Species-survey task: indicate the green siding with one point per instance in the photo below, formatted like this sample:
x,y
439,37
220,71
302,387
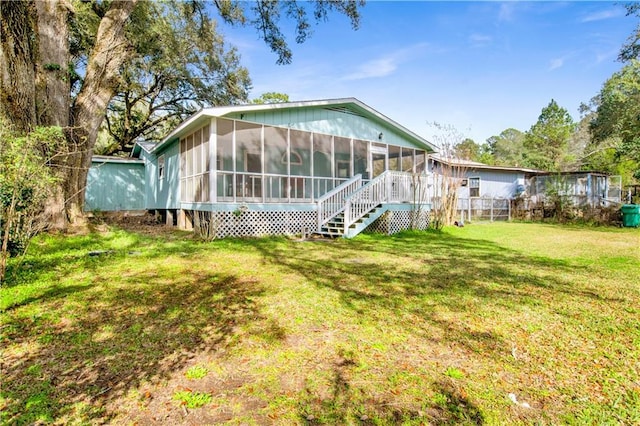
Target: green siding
x,y
163,193
115,186
338,122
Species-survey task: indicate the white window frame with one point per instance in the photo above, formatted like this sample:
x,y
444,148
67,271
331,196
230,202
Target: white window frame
x,y
471,186
247,153
294,156
340,167
161,167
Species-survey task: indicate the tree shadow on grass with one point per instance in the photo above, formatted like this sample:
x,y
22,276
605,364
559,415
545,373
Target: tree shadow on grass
x,y
114,339
420,277
93,250
346,404
420,274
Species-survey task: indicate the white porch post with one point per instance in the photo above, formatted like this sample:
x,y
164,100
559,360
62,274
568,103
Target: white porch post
x,y
213,163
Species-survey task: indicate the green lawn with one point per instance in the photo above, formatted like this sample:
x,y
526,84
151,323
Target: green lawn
x,y
419,328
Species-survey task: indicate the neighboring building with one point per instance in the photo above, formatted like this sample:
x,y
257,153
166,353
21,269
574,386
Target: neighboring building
x,y
484,192
335,166
478,180
115,184
583,188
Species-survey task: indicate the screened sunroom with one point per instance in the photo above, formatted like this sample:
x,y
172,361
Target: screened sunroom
x,y
248,162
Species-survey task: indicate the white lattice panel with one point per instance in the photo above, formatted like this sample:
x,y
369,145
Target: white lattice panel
x,y
392,222
259,223
256,224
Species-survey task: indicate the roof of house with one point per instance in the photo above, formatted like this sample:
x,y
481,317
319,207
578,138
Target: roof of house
x,y
476,165
111,159
198,118
148,146
576,172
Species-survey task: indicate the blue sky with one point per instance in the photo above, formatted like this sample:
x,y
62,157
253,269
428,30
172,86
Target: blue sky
x,y
481,67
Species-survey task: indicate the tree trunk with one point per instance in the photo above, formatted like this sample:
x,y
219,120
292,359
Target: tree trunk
x,y
34,86
18,53
53,91
109,54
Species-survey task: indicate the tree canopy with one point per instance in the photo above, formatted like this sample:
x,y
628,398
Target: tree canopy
x,y
631,49
468,149
182,65
616,123
271,98
547,141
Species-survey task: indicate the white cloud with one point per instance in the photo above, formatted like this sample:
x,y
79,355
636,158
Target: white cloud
x,y
385,65
556,63
480,39
602,15
506,11
375,68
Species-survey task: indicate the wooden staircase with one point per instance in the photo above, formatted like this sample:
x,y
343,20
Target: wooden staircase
x,y
335,228
349,208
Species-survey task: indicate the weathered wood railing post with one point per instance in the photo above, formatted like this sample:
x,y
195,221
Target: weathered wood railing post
x,y
491,201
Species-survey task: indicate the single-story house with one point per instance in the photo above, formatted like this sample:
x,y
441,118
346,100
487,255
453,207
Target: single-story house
x,y
330,166
483,191
583,188
479,180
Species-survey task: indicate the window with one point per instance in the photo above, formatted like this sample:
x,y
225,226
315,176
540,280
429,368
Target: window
x,y
474,187
252,162
161,167
342,169
294,158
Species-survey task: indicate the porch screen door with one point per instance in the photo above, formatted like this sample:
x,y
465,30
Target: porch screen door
x,y
378,159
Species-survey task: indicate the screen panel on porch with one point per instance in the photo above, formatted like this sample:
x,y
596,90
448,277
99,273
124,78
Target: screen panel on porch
x,y
378,158
248,182
276,163
407,160
342,167
194,161
300,165
224,160
394,158
322,173
360,161
421,161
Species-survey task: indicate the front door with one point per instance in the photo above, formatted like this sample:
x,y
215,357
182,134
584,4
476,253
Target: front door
x,y
378,159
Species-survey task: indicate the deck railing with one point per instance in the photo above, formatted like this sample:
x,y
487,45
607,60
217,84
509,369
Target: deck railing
x,y
333,202
389,187
244,187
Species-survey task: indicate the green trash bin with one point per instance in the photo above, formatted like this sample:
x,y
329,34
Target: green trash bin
x,y
631,215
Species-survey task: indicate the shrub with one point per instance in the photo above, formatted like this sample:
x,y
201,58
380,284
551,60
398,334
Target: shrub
x,y
26,181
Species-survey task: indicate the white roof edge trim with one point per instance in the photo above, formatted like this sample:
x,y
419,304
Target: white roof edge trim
x,y
476,165
195,117
107,159
224,110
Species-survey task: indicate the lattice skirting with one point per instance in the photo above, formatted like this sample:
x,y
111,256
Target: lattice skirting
x,y
260,223
395,221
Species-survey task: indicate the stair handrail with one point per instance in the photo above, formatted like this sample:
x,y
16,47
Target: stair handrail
x,y
365,199
333,202
390,186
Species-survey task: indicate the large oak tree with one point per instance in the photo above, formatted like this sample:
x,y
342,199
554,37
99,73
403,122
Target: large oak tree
x,y
36,80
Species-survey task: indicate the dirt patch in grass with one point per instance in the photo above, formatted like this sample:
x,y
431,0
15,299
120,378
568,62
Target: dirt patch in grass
x,y
143,223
